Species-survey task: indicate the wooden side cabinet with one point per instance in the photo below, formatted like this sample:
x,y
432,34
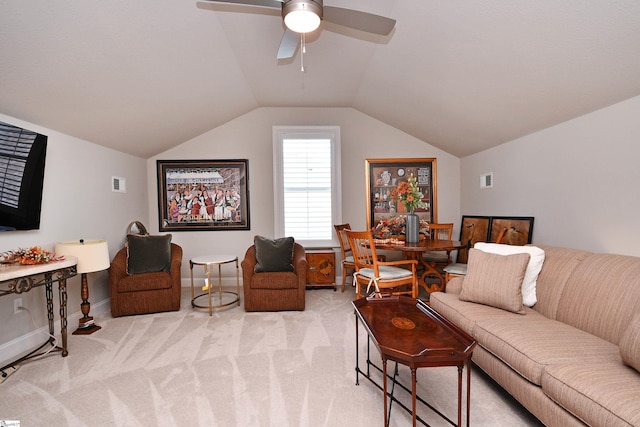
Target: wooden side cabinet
x,y
321,272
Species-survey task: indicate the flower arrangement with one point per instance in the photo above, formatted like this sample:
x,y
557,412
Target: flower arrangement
x,y
29,256
409,193
395,227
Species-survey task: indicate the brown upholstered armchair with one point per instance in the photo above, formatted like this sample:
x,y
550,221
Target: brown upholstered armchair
x,y
274,291
144,292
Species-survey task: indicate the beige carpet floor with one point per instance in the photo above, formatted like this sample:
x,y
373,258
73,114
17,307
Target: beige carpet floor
x,y
232,369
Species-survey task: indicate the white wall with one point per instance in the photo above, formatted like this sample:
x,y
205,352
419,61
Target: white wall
x,y
77,203
578,179
250,137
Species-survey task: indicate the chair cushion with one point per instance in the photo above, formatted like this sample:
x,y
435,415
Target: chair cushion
x,y
533,268
456,268
349,259
630,344
147,254
386,272
495,280
145,282
273,254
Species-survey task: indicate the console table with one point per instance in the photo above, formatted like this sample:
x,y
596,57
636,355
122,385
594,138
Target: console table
x,y
17,279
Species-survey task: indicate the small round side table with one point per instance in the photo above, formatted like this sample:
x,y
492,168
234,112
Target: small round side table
x,y
208,262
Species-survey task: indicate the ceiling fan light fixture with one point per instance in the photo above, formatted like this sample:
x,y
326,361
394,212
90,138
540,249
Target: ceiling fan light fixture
x,y
302,16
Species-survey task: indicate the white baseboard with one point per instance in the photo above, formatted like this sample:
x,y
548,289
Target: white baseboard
x,y
26,343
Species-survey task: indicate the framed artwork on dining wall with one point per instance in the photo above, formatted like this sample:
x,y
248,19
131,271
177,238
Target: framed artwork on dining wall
x,y
384,175
203,195
512,230
472,230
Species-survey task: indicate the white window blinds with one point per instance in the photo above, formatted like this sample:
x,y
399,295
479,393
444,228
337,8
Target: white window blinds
x,y
307,188
306,179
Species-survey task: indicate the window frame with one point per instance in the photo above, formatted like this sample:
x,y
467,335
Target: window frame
x,y
332,133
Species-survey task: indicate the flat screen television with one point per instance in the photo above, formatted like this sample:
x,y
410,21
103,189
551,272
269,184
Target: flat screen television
x,y
22,159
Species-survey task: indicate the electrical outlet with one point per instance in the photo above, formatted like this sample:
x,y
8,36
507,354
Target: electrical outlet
x,y
17,303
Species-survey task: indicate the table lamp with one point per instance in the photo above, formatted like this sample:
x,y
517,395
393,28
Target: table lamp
x,y
93,255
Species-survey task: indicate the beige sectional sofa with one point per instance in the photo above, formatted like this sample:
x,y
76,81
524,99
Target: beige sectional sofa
x,y
570,358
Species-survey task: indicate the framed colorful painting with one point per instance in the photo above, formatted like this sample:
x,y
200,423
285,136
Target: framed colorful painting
x,y
384,175
203,195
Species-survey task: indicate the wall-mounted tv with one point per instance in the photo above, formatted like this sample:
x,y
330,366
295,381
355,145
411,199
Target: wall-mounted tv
x,y
22,158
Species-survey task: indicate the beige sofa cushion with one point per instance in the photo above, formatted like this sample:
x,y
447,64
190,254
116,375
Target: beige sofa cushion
x,y
495,280
463,313
601,394
630,344
602,295
528,344
558,265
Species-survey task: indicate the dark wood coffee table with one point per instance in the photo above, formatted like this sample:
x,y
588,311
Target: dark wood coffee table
x,y
409,332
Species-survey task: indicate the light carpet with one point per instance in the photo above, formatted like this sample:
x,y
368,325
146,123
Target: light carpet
x,y
232,369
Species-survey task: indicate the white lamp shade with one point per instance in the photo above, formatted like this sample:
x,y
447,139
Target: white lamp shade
x,y
93,255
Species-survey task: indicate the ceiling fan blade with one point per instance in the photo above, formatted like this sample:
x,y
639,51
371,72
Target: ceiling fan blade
x,y
288,44
265,3
358,20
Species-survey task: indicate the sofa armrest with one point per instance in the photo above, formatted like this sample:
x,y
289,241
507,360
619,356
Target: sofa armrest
x,y
454,286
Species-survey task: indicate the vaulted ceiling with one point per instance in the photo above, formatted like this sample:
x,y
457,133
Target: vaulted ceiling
x,y
463,75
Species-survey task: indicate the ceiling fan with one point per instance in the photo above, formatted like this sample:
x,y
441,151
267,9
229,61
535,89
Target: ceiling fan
x,y
303,16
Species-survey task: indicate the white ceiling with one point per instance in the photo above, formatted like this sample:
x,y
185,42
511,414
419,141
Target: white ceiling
x,y
463,75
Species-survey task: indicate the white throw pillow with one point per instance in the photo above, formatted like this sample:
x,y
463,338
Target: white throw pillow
x,y
533,268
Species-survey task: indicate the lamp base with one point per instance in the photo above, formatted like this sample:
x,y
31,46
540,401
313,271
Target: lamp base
x,y
86,326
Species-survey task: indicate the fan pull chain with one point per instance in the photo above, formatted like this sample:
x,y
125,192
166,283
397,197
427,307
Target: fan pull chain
x,y
303,51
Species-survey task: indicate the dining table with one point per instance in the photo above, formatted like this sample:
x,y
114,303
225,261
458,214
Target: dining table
x,y
416,251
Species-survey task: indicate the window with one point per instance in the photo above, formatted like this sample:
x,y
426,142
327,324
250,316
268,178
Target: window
x,y
307,183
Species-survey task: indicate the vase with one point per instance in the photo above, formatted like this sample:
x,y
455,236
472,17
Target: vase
x,y
413,228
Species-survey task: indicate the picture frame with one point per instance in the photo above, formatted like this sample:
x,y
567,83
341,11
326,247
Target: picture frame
x,y
383,175
203,195
473,229
516,230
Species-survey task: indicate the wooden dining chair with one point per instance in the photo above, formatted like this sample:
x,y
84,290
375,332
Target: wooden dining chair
x,y
439,259
347,257
386,277
457,269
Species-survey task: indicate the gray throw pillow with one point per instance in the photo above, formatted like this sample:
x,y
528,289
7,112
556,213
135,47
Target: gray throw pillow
x,y
273,254
147,254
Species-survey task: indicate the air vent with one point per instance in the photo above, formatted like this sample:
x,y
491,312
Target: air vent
x,y
118,185
486,180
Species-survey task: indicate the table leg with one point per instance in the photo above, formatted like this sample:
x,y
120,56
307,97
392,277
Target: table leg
x,y
208,268
62,294
428,270
220,282
238,281
49,295
357,355
413,395
460,395
384,390
468,390
193,296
